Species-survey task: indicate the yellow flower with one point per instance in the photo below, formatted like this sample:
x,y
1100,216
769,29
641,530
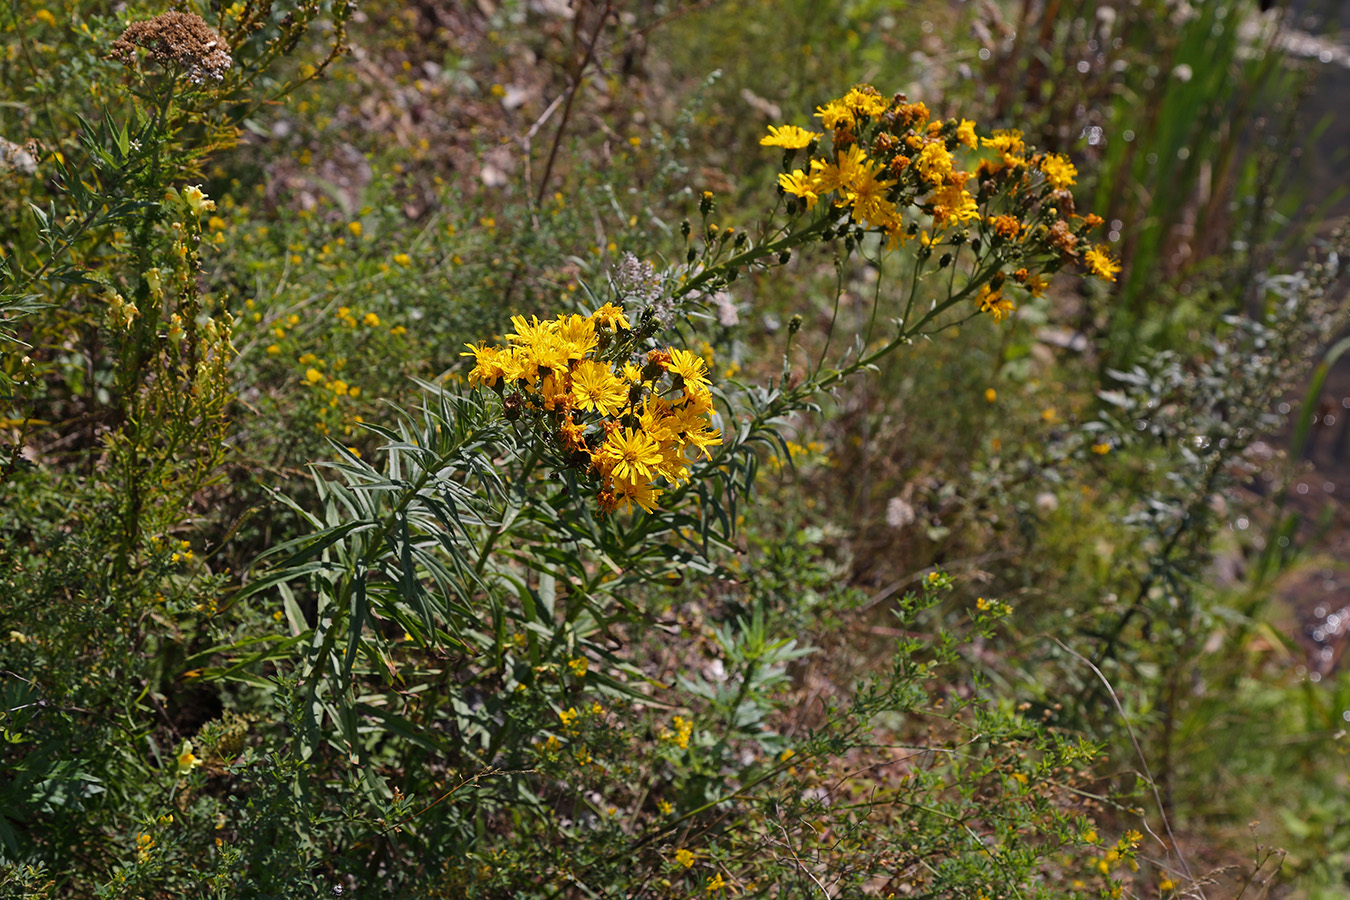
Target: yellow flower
x,y
187,761
934,162
716,883
568,716
197,201
1100,263
1008,142
799,184
626,493
835,115
403,259
789,137
1101,449
1058,171
665,807
965,134
354,228
611,316
684,857
692,369
371,319
990,395
46,17
630,456
994,303
578,666
313,376
866,100
595,387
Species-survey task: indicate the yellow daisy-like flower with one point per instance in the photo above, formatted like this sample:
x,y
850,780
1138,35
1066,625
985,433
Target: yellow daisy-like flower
x,y
630,456
799,184
1059,171
866,100
594,387
1100,263
934,162
835,115
789,137
994,303
690,367
1008,142
965,134
611,316
641,493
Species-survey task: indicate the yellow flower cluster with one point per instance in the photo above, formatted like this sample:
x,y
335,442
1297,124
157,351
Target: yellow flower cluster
x,y
628,421
899,173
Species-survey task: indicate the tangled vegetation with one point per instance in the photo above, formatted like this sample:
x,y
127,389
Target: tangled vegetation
x,y
538,450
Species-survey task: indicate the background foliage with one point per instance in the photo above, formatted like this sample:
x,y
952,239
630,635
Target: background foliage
x,y
292,611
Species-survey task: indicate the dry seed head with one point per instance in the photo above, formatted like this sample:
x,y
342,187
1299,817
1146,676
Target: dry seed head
x,y
181,39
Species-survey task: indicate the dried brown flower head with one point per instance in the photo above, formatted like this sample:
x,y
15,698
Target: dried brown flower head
x,y
179,39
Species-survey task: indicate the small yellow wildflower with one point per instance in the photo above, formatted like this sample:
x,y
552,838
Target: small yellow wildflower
x,y
716,883
684,857
1102,448
568,716
313,376
371,320
579,666
965,134
354,228
664,807
990,395
197,200
1058,171
187,761
1100,263
789,137
403,259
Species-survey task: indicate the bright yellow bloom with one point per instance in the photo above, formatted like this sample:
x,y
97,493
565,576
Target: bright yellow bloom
x,y
490,364
611,316
403,259
994,303
630,456
1008,142
1100,263
866,100
689,367
594,387
641,493
934,162
789,137
579,666
965,134
1059,171
799,184
835,115
684,857
954,204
